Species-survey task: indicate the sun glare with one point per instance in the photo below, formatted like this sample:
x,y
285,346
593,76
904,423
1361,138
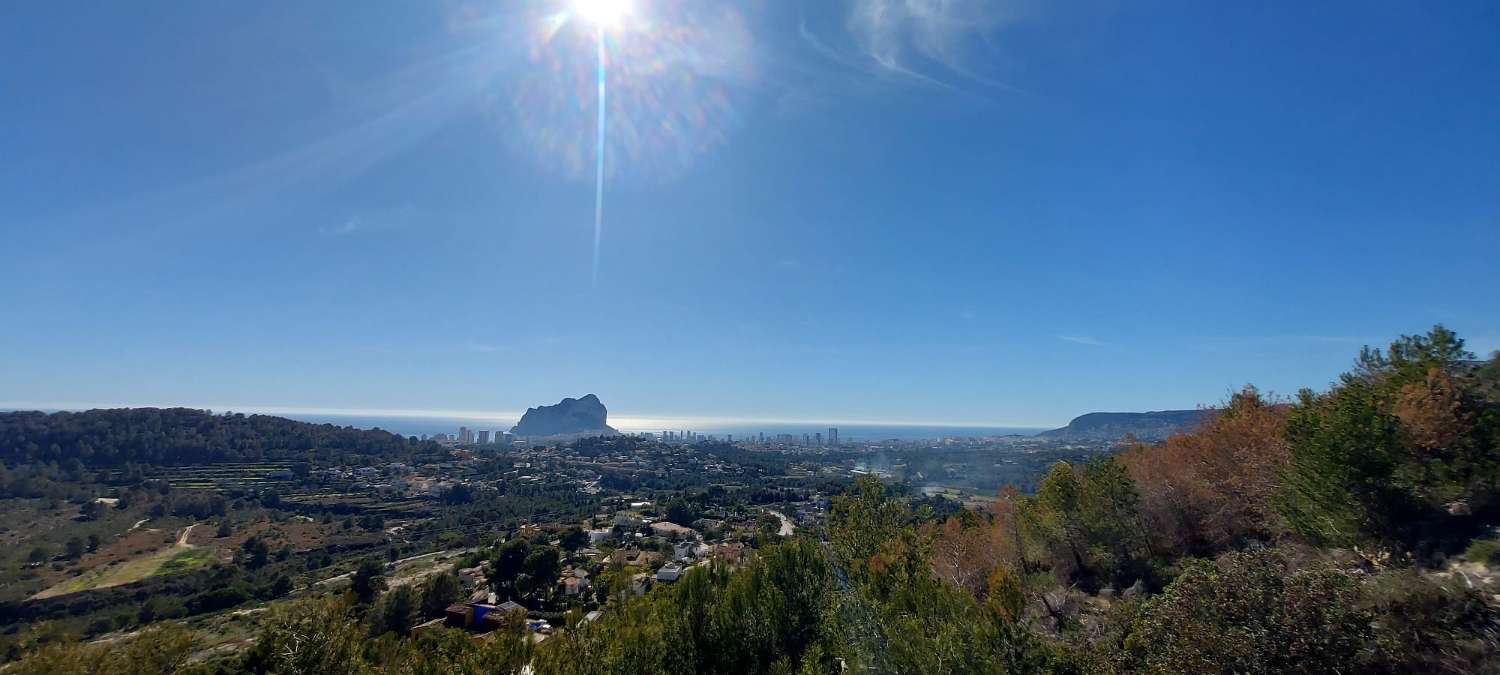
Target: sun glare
x,y
602,13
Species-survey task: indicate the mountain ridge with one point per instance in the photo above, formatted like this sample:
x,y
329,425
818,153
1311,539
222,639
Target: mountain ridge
x,y
1155,425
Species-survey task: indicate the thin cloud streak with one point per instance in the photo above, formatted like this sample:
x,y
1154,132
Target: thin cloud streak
x,y
927,42
347,227
1083,340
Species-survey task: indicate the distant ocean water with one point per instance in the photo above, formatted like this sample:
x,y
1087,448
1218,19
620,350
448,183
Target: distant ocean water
x,y
417,426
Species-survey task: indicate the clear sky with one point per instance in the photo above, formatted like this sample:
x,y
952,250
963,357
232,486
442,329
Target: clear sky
x,y
954,212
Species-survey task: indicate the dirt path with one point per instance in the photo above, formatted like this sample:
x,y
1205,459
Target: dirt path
x,y
137,524
787,528
182,540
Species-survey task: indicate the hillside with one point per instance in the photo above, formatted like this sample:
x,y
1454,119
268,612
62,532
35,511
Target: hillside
x,y
1109,426
115,437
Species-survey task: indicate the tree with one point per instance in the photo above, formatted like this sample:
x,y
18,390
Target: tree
x,y
440,591
679,510
1375,458
507,565
75,548
93,542
1212,489
541,567
368,580
767,527
395,612
225,528
573,538
257,553
91,509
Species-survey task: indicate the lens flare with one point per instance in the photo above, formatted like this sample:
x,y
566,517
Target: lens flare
x,y
602,13
678,75
673,72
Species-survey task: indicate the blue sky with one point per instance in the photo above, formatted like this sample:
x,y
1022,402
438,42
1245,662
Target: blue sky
x,y
961,212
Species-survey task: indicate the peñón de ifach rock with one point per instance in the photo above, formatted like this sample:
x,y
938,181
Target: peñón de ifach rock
x,y
572,416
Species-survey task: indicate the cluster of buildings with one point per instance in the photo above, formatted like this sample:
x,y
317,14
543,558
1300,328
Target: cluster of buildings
x,y
467,436
811,440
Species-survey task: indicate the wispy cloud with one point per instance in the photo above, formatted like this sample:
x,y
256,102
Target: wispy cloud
x,y
341,229
930,42
1083,340
480,347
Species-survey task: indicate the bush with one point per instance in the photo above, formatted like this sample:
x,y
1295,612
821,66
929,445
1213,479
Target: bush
x,y
1484,552
1430,626
1250,612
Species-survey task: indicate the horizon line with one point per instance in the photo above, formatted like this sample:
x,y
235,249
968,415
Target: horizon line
x,y
624,421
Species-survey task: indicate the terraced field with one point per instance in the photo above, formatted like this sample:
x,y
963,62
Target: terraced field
x,y
361,502
227,475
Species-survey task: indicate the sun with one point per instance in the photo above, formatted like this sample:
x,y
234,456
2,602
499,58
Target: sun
x,y
602,13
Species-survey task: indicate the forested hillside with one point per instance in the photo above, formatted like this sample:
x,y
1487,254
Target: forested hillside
x,y
103,438
1347,530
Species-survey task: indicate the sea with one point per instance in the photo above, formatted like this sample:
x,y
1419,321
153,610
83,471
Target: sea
x,y
425,425
419,426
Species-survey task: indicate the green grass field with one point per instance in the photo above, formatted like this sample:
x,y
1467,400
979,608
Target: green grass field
x,y
175,560
187,560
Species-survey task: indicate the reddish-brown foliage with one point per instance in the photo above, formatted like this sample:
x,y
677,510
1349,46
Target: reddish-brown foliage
x,y
1209,489
1432,412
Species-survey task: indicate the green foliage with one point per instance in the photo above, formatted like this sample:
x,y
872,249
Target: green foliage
x,y
1344,455
1251,613
1427,625
309,637
683,512
368,580
573,538
395,612
894,615
159,649
712,620
180,435
507,565
257,553
541,567
1381,456
1088,522
861,522
450,652
440,591
1484,552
